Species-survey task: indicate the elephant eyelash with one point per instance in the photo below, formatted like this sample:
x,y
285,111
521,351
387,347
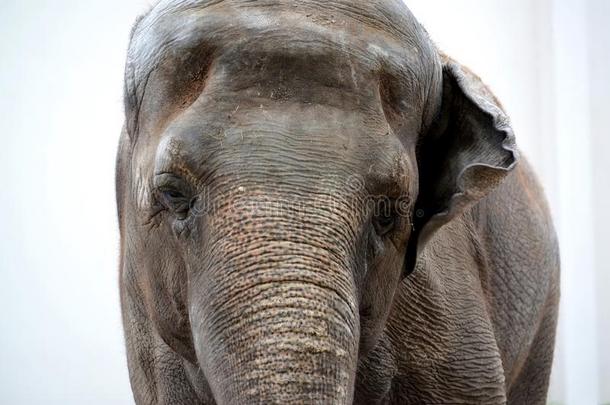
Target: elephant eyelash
x,y
173,194
174,201
385,217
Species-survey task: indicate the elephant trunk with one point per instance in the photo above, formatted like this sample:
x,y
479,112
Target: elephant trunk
x,y
275,319
281,342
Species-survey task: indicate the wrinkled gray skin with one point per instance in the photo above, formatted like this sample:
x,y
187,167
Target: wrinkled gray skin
x,y
254,268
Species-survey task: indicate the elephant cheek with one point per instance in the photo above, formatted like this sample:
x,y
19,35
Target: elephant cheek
x,y
277,341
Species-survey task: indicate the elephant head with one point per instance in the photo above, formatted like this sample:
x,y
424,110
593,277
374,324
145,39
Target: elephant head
x,y
282,165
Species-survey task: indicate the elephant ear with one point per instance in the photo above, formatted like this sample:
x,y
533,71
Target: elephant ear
x,y
467,152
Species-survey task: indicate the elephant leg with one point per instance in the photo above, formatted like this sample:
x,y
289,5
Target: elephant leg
x,y
159,376
531,387
179,382
168,379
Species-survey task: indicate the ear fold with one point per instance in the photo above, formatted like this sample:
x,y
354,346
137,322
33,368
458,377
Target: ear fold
x,y
467,153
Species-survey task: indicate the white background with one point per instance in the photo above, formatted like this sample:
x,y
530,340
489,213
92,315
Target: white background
x,y
61,65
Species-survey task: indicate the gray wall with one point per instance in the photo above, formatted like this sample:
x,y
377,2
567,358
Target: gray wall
x,y
599,34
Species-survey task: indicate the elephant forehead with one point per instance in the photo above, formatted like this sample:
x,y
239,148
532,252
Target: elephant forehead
x,y
390,16
279,134
371,34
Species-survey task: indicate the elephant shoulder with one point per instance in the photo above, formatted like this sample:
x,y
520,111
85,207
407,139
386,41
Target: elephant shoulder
x,y
514,222
517,238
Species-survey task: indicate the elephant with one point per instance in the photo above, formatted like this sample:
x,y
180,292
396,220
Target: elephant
x,y
317,205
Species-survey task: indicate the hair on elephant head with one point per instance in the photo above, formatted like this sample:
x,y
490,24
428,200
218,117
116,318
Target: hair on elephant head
x,y
283,164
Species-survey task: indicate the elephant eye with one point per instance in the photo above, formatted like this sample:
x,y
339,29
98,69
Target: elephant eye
x,y
384,219
172,195
175,201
